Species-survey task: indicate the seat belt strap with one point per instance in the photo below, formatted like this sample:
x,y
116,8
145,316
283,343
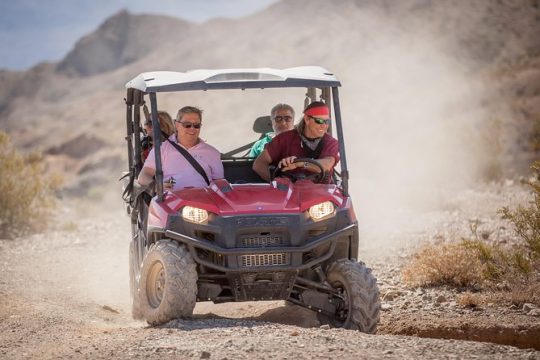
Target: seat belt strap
x,y
191,160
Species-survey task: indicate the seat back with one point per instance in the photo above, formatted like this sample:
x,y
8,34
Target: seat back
x,y
263,124
239,171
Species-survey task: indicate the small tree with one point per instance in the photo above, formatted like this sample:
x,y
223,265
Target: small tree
x,y
26,192
526,220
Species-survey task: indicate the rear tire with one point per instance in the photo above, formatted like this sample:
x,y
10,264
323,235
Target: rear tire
x,y
137,249
359,304
134,285
168,283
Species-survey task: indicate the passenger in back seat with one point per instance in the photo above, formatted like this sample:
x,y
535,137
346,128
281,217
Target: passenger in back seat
x,y
282,116
167,129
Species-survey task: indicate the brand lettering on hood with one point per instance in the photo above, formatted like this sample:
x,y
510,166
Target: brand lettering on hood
x,y
265,221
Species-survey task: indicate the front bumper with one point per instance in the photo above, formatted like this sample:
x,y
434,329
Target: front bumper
x,y
289,258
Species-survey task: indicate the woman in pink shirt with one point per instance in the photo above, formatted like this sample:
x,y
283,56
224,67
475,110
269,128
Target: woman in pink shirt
x,y
178,173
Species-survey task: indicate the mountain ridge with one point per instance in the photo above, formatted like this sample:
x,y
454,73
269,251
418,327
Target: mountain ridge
x,y
118,42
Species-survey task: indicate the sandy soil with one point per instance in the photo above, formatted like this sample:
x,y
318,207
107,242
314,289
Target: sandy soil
x,y
65,294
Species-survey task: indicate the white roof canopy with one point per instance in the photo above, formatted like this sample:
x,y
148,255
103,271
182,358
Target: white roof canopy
x,y
248,78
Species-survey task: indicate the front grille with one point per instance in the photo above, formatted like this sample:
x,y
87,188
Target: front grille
x,y
262,240
264,260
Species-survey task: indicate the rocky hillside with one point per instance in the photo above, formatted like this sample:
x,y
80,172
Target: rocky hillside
x,y
121,40
456,79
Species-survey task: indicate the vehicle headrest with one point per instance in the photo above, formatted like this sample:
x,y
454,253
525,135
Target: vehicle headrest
x,y
263,124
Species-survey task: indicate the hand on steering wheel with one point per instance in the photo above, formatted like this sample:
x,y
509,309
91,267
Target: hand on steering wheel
x,y
311,166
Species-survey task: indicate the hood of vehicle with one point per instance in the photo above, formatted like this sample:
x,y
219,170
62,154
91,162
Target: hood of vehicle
x,y
281,196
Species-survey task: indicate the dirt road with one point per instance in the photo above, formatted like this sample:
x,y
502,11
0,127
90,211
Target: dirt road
x,y
65,294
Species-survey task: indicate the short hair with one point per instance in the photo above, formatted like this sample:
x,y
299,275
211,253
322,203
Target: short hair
x,y
165,122
279,107
188,110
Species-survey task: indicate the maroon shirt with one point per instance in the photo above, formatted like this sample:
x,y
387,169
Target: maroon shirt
x,y
289,143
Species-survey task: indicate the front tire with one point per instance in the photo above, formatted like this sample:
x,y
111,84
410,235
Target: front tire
x,y
358,301
168,283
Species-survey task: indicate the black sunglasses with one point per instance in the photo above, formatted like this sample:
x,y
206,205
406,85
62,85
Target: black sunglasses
x,y
285,118
188,125
320,121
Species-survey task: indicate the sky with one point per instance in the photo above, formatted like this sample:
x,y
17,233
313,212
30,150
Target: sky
x,y
34,31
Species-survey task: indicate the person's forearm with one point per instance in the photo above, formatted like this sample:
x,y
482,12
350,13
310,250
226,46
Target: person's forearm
x,y
145,176
261,168
327,163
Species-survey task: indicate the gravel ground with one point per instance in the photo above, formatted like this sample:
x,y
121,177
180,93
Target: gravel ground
x,y
64,294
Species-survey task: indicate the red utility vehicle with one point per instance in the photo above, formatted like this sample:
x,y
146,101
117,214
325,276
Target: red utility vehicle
x,y
243,239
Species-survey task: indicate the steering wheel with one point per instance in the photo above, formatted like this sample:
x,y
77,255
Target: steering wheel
x,y
317,173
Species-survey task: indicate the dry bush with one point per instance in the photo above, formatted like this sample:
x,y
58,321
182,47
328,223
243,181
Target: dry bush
x,y
526,220
26,193
511,273
525,260
470,300
507,274
493,258
518,295
523,293
444,264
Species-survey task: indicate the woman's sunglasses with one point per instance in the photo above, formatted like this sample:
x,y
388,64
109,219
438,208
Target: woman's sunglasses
x,y
320,121
189,125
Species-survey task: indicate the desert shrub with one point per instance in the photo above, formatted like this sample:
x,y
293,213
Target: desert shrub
x,y
444,264
491,257
470,300
26,192
511,271
474,264
520,294
526,220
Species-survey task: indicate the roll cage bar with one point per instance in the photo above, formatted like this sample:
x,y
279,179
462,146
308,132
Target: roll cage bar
x,y
150,83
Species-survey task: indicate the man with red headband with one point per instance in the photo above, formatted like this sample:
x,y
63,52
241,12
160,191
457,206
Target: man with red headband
x,y
309,139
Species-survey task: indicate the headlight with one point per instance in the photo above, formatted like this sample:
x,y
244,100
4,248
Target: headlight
x,y
321,211
194,214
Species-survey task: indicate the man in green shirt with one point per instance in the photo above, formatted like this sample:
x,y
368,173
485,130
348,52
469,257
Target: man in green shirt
x,y
282,116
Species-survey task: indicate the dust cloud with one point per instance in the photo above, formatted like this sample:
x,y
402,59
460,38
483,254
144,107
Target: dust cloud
x,y
416,131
